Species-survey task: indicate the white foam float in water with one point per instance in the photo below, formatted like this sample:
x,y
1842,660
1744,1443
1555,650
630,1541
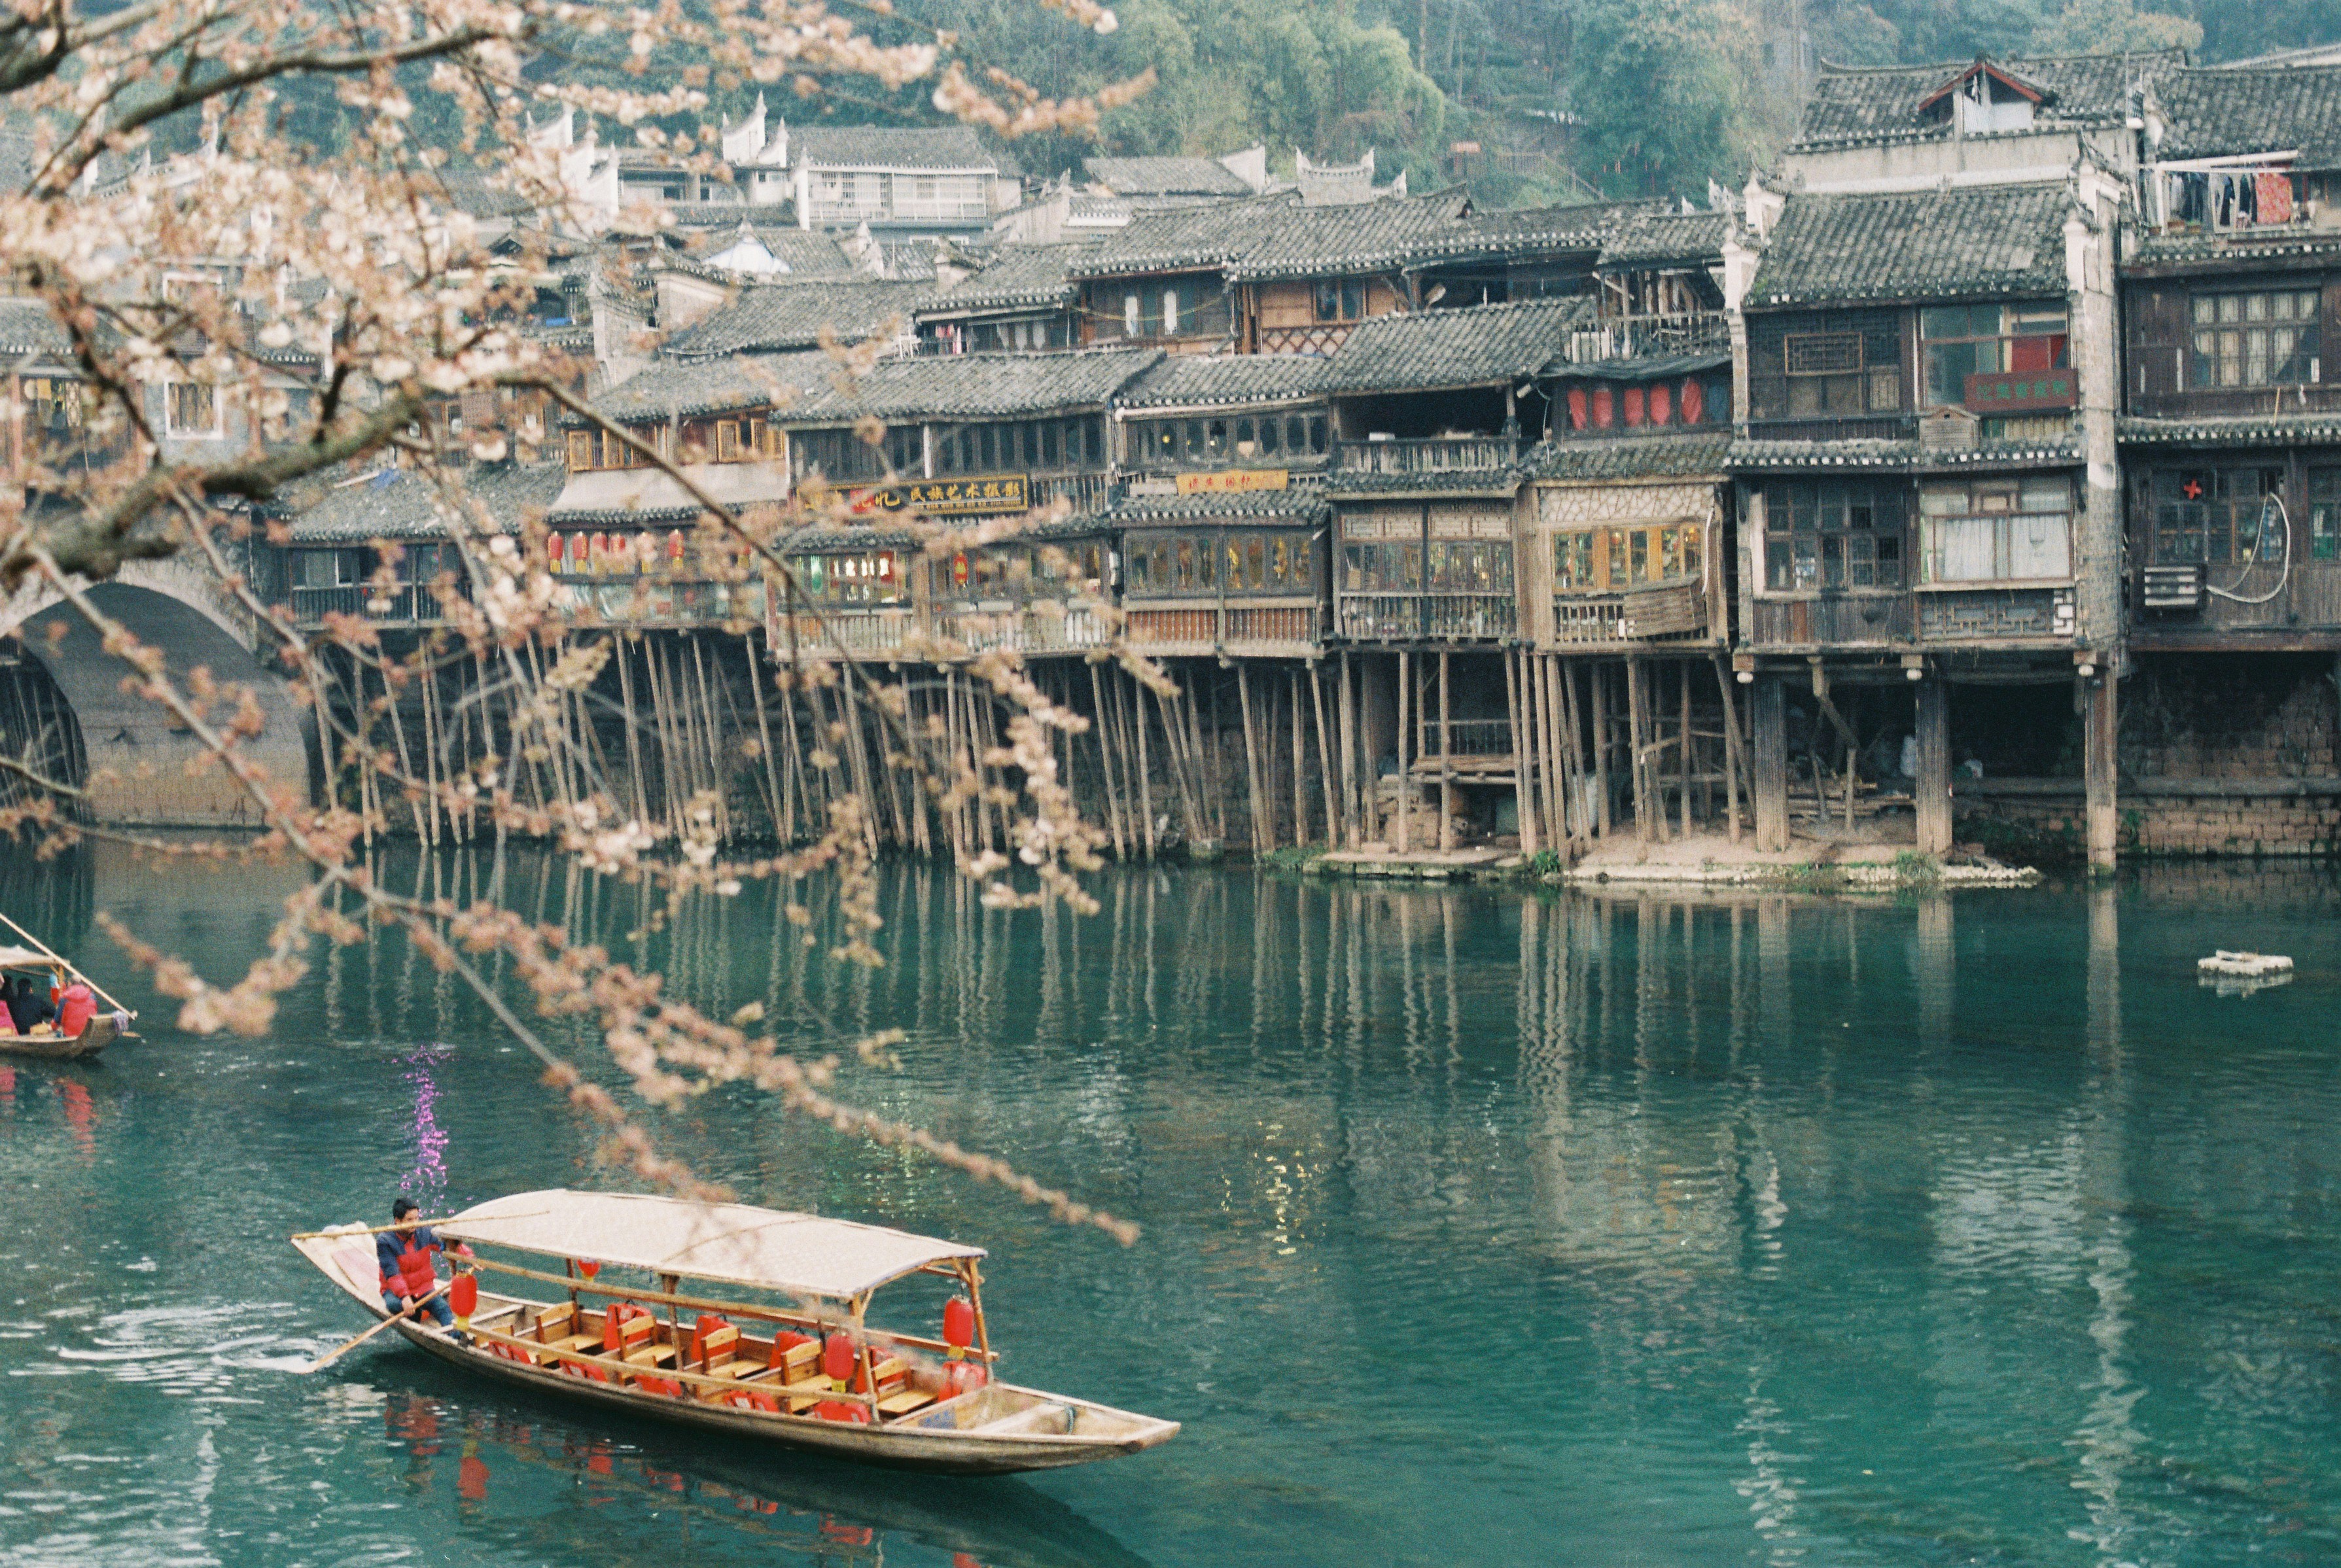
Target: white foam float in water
x,y
2243,966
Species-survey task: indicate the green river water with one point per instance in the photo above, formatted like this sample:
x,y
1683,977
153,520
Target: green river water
x,y
1479,1228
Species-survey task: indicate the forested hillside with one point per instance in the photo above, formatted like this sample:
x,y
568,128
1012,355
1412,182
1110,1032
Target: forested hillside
x,y
1530,101
1625,97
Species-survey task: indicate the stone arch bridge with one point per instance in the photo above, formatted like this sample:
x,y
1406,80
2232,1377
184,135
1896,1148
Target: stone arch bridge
x,y
134,758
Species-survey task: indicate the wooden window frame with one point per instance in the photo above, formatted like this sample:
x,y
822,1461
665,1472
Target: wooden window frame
x,y
1601,549
1800,559
2306,351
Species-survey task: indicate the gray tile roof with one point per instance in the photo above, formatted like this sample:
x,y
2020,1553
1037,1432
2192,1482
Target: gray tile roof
x,y
1198,381
771,317
977,386
888,147
1655,457
1471,347
1582,226
1852,107
1653,239
402,504
817,539
1298,504
1482,482
1165,176
1979,241
806,253
1170,238
1909,455
2275,247
726,215
1278,237
667,388
1364,236
2219,112
1013,275
2305,430
465,188
28,327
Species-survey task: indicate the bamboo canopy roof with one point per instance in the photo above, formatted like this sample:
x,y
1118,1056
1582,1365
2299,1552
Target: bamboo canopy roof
x,y
763,1248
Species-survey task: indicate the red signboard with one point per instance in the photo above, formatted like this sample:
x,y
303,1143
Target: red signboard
x,y
2022,391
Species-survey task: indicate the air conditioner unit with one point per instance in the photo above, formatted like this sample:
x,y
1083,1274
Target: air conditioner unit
x,y
2172,588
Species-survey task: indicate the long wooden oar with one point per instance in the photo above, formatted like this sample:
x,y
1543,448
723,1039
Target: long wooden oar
x,y
399,1225
86,980
335,1355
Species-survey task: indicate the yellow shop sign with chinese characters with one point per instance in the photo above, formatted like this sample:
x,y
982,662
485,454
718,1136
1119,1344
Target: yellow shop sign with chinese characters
x,y
949,497
1233,479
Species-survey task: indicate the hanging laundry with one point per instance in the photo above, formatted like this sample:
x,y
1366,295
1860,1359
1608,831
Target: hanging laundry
x,y
2274,190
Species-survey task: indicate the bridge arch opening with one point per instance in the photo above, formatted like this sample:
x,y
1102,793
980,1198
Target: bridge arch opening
x,y
134,762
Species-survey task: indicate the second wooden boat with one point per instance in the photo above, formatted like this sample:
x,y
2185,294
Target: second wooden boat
x,y
808,1371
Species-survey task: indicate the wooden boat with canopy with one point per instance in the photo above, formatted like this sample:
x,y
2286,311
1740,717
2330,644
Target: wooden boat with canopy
x,y
802,1367
82,1029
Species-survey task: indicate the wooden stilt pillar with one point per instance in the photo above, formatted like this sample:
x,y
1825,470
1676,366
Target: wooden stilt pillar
x,y
1405,765
1637,739
1299,792
1325,759
1683,748
2099,724
1601,731
1446,751
1263,832
1353,833
1723,681
1524,750
1137,711
1931,790
1770,765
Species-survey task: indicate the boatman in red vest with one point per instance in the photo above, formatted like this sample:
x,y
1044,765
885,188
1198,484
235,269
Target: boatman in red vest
x,y
408,1273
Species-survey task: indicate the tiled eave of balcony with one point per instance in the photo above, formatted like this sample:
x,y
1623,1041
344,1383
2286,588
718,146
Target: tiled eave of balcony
x,y
2309,429
1805,456
1498,483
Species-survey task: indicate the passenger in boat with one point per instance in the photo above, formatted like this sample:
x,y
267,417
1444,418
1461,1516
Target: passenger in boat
x,y
408,1274
28,1003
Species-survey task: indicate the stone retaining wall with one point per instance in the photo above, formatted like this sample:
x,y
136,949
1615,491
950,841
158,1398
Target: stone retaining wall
x,y
2042,818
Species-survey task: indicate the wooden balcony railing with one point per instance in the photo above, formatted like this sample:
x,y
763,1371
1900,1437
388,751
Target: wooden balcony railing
x,y
409,604
1667,610
866,633
1873,427
1649,337
1234,625
1410,617
1442,454
1041,627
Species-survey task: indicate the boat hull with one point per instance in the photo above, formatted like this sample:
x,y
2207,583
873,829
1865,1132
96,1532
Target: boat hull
x,y
895,1447
99,1034
930,1441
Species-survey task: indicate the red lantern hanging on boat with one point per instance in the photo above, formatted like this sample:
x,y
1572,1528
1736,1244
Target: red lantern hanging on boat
x,y
837,1359
464,1295
959,1326
588,1267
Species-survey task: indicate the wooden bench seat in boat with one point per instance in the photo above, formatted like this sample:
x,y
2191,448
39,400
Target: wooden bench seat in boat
x,y
896,1396
558,1329
639,1345
798,1368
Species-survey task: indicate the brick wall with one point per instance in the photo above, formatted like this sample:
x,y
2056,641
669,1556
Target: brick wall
x,y
2159,817
2221,755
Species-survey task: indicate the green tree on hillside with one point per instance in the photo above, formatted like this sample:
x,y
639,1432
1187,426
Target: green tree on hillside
x,y
1662,88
